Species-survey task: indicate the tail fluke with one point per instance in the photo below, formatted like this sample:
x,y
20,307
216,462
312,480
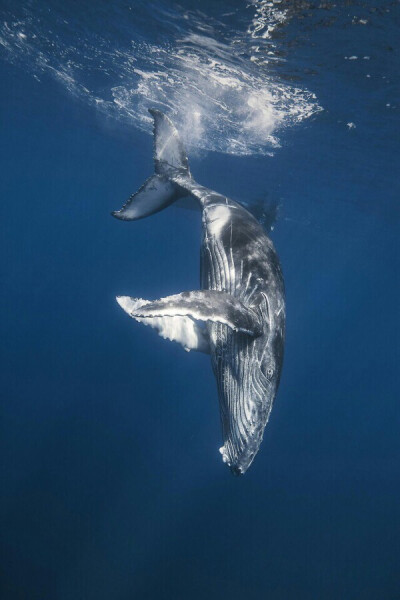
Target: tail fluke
x,y
159,191
155,194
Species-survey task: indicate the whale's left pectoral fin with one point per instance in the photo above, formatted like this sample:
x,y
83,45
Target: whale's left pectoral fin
x,y
176,317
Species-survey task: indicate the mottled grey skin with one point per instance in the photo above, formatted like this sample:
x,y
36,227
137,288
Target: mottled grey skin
x,y
238,257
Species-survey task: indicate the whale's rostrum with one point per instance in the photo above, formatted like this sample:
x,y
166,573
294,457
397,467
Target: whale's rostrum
x,y
238,315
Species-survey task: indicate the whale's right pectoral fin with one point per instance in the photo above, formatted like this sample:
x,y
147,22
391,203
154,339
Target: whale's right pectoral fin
x,y
188,308
177,328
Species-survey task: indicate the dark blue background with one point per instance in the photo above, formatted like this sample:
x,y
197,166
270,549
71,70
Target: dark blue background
x,y
111,482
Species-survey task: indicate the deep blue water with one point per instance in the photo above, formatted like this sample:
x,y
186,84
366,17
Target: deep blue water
x,y
112,486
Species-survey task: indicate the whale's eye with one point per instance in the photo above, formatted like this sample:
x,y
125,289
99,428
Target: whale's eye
x,y
270,372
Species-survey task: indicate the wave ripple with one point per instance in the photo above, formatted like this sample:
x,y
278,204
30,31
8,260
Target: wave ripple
x,y
203,70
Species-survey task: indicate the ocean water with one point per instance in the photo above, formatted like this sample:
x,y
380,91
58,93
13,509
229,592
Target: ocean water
x,y
112,487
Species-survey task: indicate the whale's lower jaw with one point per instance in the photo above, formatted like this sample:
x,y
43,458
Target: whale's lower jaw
x,y
243,439
239,459
239,462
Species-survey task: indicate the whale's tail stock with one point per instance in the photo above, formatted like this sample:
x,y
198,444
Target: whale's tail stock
x,y
170,167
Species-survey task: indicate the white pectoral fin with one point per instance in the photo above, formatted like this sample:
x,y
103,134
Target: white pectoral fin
x,y
203,306
181,329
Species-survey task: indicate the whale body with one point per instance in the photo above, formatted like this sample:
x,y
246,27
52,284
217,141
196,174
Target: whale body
x,y
237,316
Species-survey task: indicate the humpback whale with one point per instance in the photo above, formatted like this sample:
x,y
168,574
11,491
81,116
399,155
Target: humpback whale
x,y
238,314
